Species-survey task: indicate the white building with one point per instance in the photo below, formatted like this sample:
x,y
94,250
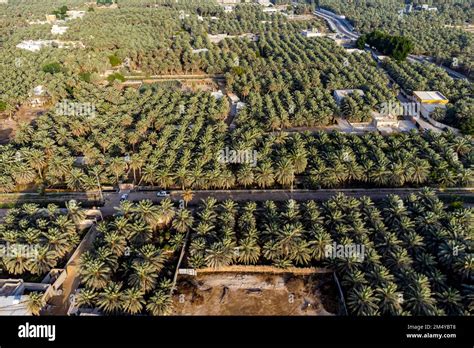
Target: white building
x,y
233,97
240,105
38,96
58,30
218,94
75,14
354,50
271,10
34,45
312,33
200,50
263,2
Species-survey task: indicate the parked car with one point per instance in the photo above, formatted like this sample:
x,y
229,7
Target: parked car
x,y
124,197
162,194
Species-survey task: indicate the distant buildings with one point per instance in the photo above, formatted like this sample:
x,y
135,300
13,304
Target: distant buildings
x,y
426,7
228,2
240,105
354,50
200,50
51,18
218,94
219,37
36,45
38,96
233,98
75,14
58,30
271,10
312,33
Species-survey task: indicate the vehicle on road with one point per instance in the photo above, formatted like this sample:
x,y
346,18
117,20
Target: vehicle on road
x,y
124,197
162,194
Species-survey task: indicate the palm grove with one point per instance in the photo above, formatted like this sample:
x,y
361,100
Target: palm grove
x,y
417,255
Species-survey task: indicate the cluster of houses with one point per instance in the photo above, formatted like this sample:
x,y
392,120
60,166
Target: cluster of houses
x,y
409,8
337,38
36,45
219,37
57,29
268,7
404,116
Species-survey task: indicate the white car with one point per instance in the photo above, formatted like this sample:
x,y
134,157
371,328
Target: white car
x,y
124,197
162,194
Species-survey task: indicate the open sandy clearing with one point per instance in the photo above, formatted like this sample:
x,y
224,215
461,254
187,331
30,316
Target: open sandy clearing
x,y
255,294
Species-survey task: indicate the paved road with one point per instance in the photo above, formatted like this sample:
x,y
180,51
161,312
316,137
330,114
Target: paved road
x,y
427,60
343,28
113,199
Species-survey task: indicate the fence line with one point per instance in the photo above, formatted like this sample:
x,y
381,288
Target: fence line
x,y
264,269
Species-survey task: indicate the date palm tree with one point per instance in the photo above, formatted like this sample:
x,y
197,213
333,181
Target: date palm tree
x,y
187,197
133,301
160,303
86,298
93,272
183,220
35,303
362,301
111,298
43,260
143,277
390,300
219,255
248,251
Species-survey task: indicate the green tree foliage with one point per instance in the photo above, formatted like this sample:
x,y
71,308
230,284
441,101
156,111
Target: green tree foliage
x,y
398,47
52,68
60,13
114,60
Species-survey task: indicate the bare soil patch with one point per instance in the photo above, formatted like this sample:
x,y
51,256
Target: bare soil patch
x,y
8,126
255,294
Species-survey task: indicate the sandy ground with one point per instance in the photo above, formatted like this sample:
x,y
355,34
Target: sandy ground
x,y
255,294
9,126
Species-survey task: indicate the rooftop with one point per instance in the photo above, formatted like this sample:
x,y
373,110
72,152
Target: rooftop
x,y
429,96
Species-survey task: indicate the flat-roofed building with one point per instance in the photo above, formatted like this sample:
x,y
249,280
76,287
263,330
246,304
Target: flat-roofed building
x,y
73,14
312,33
430,97
58,30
